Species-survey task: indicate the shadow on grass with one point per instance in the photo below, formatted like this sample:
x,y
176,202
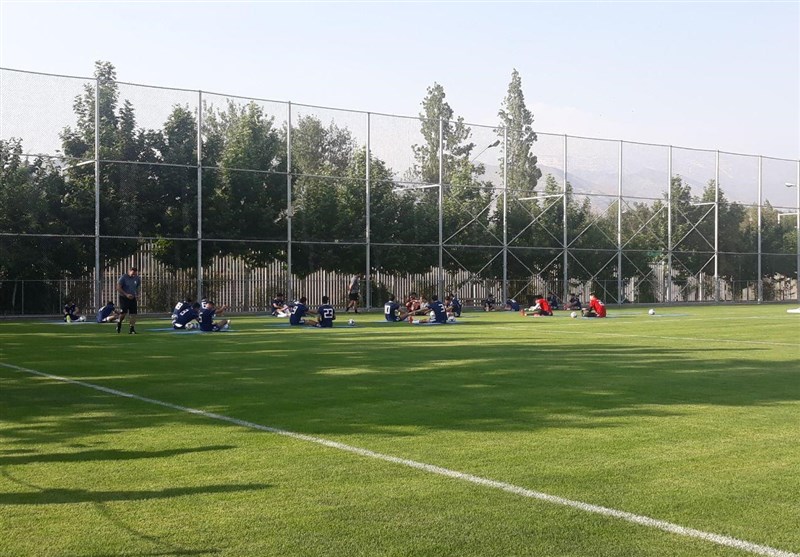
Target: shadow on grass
x,y
28,457
387,381
54,496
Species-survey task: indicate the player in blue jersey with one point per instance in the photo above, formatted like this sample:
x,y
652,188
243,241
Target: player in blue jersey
x,y
489,302
392,311
437,309
299,313
180,306
453,305
107,314
72,313
207,323
327,315
278,306
186,318
512,305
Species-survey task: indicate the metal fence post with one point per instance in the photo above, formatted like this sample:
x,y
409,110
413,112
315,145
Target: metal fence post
x,y
289,209
716,229
669,227
368,231
441,210
97,270
797,230
505,214
564,225
200,195
760,284
619,228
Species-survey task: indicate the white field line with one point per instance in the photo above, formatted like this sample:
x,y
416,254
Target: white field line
x,y
670,527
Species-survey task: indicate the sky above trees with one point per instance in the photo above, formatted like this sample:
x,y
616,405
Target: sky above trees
x,y
716,75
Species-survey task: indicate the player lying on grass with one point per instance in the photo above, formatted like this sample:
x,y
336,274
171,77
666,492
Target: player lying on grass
x,y
512,305
107,314
596,308
540,308
392,311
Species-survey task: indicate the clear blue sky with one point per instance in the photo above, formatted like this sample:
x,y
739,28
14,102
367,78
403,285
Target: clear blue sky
x,y
718,75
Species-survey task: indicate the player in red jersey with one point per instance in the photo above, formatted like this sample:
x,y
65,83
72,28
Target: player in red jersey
x,y
596,308
540,309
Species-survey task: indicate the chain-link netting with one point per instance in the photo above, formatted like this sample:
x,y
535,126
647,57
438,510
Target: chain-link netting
x,y
272,196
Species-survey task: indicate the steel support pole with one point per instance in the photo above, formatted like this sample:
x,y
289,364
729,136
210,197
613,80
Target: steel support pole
x,y
289,209
716,229
619,229
760,294
98,279
441,209
368,231
669,228
200,196
564,225
797,230
505,214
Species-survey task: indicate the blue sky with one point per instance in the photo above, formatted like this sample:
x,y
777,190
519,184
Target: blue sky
x,y
718,75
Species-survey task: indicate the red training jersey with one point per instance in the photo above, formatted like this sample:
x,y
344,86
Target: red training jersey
x,y
598,307
545,305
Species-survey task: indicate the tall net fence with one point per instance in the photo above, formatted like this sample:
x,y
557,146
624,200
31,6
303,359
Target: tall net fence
x,y
236,199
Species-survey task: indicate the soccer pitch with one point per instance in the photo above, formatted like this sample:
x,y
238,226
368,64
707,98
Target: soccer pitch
x,y
675,434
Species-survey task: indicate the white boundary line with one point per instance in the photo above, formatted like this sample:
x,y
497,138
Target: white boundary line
x,y
670,527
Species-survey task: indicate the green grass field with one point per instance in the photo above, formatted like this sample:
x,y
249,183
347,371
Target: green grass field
x,y
691,417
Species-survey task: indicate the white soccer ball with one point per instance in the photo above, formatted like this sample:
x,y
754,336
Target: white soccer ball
x,y
451,319
351,322
651,312
574,314
191,325
432,315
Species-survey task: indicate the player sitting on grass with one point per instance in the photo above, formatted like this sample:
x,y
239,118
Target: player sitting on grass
x,y
439,314
185,319
207,323
541,307
327,315
72,313
453,305
278,306
512,305
412,303
180,306
488,303
107,314
299,312
596,308
574,303
392,311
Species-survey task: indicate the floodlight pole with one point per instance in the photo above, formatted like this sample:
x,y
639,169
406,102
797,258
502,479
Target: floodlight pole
x,y
289,210
200,195
760,284
441,209
367,232
98,280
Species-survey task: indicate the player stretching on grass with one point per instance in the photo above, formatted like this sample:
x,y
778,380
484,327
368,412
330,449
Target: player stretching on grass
x,y
299,313
128,287
541,308
437,308
392,311
596,308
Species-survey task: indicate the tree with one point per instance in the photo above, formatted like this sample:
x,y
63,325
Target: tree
x,y
517,122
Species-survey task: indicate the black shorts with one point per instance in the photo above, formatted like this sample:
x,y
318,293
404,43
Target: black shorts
x,y
126,305
353,296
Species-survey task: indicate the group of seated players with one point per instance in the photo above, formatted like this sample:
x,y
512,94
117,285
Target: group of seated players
x,y
189,314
